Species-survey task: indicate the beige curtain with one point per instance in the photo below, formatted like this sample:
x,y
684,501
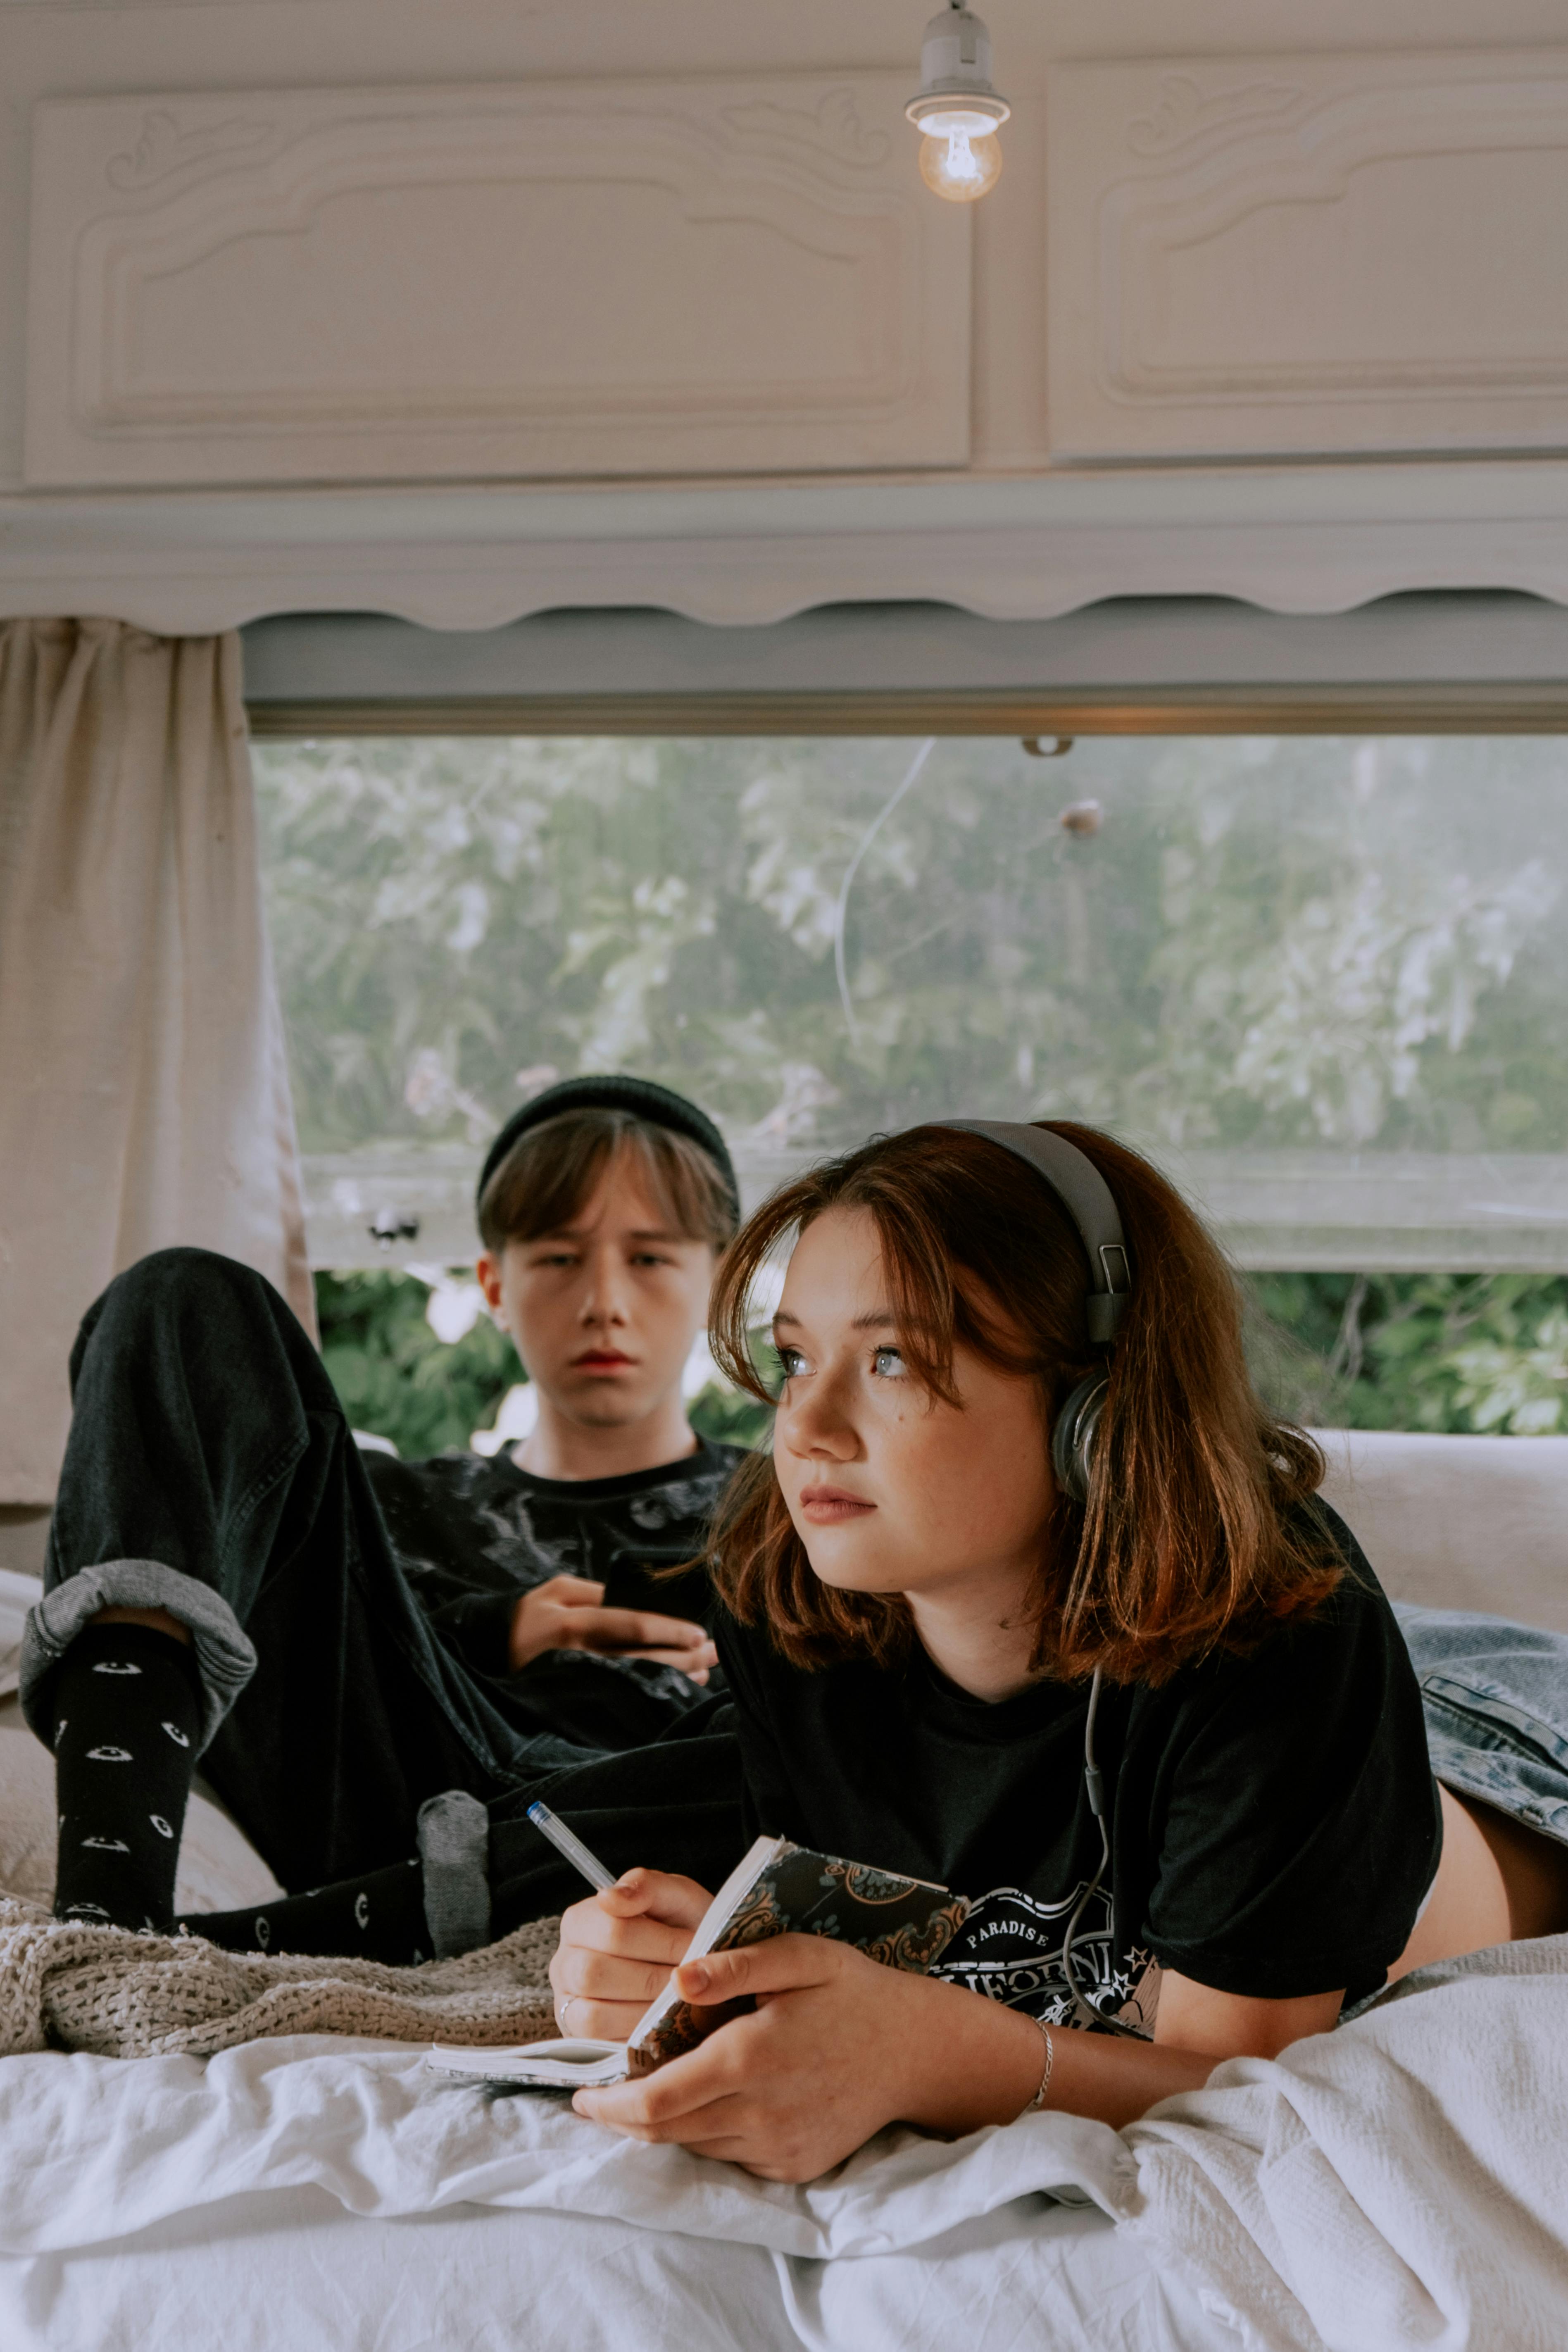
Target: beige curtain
x,y
144,1089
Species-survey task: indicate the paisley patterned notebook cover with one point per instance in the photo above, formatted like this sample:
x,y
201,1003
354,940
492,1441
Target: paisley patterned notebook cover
x,y
782,1889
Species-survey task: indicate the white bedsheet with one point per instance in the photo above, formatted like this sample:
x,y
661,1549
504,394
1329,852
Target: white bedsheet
x,y
1402,2182
168,2203
290,2271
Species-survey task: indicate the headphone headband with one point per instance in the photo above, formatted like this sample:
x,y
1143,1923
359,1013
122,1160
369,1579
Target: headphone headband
x,y
1088,1199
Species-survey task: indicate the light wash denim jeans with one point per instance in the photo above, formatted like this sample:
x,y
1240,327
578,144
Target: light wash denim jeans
x,y
1496,1700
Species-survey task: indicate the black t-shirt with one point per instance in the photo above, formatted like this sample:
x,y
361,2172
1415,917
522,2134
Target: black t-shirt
x,y
1275,1824
471,1535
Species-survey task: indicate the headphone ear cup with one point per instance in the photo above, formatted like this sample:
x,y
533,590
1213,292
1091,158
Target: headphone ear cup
x,y
1073,1437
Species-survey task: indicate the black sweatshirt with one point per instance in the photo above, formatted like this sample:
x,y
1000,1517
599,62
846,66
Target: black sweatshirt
x,y
472,1535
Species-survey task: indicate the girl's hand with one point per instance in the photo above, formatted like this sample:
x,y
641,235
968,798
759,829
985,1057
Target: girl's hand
x,y
565,1613
618,1948
838,2046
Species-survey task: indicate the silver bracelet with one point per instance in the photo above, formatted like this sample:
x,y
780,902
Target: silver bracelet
x,y
1038,2101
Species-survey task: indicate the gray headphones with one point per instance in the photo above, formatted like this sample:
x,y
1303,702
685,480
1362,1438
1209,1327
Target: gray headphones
x,y
1088,1202
1088,1199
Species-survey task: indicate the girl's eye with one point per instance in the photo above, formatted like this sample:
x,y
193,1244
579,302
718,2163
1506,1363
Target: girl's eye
x,y
888,1364
790,1361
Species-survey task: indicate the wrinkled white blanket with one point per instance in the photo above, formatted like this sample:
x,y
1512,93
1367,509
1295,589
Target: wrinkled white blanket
x,y
1403,2182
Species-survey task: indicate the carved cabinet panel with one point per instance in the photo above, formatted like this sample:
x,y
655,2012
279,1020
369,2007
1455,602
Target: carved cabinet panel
x,y
545,279
1294,254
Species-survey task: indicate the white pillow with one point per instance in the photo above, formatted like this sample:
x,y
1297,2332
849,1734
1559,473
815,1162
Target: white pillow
x,y
220,1870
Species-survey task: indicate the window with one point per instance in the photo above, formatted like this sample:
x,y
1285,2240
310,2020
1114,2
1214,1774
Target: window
x,y
1321,980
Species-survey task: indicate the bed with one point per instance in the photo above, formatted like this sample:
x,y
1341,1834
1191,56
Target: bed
x,y
1402,2181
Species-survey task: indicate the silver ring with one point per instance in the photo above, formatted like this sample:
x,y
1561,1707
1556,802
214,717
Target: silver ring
x,y
562,2013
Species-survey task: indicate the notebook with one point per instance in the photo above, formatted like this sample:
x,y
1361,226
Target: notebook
x,y
776,1889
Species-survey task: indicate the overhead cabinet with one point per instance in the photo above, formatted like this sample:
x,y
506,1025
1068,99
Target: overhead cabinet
x,y
699,276
1308,256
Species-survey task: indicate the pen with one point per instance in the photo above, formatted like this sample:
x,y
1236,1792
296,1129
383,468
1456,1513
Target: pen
x,y
576,1853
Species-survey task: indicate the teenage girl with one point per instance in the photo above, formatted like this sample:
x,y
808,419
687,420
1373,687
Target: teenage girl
x,y
1022,1498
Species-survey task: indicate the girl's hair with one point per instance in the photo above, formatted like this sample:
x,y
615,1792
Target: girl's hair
x,y
1188,1542
552,1169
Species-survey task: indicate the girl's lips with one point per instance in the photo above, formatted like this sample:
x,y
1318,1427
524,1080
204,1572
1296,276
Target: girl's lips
x,y
609,1362
828,1504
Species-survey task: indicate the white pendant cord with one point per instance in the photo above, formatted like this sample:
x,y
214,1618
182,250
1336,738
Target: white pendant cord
x,y
867,838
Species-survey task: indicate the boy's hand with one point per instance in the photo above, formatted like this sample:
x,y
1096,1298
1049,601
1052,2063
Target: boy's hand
x,y
566,1613
616,1951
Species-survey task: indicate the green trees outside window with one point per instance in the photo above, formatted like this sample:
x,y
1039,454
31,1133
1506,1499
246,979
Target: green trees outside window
x,y
1318,979
1229,943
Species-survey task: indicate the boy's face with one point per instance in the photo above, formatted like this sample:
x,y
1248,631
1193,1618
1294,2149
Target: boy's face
x,y
603,1313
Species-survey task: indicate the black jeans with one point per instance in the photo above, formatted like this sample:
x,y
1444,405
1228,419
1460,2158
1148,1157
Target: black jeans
x,y
210,1470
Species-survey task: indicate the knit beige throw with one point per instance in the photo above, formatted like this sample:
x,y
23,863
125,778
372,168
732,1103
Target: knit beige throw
x,y
63,1987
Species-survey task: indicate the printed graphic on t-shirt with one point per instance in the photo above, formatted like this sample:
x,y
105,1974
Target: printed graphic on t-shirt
x,y
1010,1948
679,1501
447,1516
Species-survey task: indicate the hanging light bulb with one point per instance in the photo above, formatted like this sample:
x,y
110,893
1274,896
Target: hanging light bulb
x,y
960,165
956,107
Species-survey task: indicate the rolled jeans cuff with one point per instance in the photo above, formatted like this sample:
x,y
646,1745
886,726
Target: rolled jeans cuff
x,y
225,1657
454,1833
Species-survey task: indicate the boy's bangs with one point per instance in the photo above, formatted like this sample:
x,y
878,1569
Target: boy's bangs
x,y
552,1172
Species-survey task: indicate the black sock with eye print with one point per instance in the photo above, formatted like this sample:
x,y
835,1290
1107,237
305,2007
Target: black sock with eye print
x,y
127,1721
378,1914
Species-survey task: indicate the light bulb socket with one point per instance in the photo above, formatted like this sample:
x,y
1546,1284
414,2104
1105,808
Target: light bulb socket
x,y
955,93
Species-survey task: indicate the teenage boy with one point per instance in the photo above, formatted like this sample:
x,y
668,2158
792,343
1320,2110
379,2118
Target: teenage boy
x,y
603,1206
359,1649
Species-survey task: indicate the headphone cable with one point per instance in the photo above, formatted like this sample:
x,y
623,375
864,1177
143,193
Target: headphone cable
x,y
1084,2012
